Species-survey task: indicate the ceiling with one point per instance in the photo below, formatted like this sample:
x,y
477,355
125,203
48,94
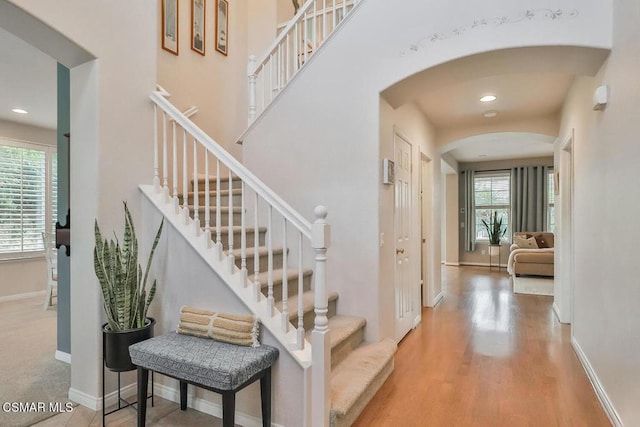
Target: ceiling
x,y
519,96
28,80
502,146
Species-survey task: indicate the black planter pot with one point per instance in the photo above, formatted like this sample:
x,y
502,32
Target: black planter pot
x,y
115,345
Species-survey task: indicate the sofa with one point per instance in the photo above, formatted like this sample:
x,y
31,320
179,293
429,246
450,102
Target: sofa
x,y
531,254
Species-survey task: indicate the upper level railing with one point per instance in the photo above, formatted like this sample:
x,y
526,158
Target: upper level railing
x,y
296,43
199,179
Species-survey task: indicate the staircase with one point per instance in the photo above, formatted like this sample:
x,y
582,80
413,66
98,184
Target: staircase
x,y
358,369
260,247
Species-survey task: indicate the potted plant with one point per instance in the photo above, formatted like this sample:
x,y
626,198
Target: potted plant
x,y
496,232
124,291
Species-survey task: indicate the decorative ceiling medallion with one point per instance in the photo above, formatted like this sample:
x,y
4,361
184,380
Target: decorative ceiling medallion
x,y
527,15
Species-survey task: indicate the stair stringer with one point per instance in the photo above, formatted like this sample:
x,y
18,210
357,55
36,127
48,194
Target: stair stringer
x,y
220,265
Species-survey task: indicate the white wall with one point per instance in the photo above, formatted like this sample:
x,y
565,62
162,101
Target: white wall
x,y
606,294
452,256
317,143
28,275
111,128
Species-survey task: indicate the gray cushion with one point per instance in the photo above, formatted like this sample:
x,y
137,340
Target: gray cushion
x,y
202,361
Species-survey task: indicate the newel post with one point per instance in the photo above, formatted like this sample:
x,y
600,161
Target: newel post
x,y
320,345
252,88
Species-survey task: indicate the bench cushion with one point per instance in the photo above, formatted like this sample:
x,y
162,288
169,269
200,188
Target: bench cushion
x,y
202,361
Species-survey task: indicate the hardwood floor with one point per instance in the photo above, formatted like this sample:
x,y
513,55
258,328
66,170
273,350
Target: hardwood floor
x,y
486,357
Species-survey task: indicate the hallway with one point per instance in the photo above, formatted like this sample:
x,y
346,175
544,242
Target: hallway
x,y
486,357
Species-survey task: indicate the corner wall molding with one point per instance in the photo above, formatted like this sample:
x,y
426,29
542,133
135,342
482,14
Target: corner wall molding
x,y
528,15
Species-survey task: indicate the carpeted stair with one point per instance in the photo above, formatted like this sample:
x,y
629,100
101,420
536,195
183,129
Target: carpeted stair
x,y
358,369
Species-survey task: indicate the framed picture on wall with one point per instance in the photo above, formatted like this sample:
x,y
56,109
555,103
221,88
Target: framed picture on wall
x,y
222,26
198,25
170,26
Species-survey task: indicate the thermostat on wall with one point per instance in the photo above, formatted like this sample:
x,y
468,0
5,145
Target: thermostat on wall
x,y
388,172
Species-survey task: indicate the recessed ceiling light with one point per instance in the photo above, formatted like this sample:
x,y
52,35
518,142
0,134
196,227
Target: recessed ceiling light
x,y
482,155
489,114
488,98
19,111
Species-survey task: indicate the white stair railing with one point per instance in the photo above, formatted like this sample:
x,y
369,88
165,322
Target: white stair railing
x,y
298,41
232,180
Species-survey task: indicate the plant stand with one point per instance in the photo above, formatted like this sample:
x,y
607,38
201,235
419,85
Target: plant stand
x,y
494,250
122,403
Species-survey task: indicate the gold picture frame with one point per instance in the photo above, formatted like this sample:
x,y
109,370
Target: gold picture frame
x,y
170,30
198,25
222,26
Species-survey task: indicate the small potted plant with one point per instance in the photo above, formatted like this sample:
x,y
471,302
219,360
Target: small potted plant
x,y
496,232
124,291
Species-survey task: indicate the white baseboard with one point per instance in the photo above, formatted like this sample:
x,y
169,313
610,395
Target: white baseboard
x,y
95,402
606,403
63,357
438,298
417,321
452,264
202,405
556,311
22,296
482,264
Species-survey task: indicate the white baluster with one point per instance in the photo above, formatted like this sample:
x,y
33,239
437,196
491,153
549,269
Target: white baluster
x,y
287,58
252,88
334,13
296,55
256,256
279,56
344,9
314,43
300,331
243,240
270,301
165,161
196,195
285,279
156,161
207,202
324,20
231,259
304,37
185,179
320,344
174,164
219,245
270,78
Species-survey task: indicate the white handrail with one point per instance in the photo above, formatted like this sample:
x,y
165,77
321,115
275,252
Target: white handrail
x,y
234,165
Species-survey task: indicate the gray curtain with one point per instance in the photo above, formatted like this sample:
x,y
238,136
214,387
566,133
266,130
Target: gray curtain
x,y
529,198
469,212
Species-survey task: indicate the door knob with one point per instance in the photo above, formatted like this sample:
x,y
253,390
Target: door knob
x,y
400,251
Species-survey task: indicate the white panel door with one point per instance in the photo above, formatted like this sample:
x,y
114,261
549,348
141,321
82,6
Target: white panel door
x,y
404,296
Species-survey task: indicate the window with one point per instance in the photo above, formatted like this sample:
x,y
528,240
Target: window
x,y
551,210
27,190
492,193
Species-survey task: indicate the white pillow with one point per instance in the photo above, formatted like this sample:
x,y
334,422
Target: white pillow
x,y
525,243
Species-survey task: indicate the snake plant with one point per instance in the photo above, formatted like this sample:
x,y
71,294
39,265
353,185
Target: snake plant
x,y
494,229
124,288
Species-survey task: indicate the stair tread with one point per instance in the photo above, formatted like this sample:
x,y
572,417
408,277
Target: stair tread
x,y
307,303
353,376
262,251
340,328
236,209
292,274
213,192
237,229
